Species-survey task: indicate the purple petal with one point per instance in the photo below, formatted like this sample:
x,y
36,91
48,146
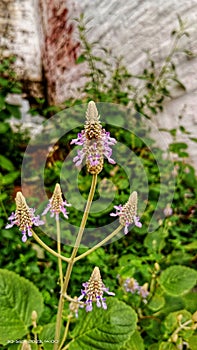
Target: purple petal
x,y
9,225
137,222
46,209
12,216
24,237
89,306
126,229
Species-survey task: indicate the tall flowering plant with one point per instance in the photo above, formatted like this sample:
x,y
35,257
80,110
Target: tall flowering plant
x,y
95,146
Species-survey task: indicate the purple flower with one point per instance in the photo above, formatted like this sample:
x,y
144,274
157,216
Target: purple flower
x,y
131,285
95,143
23,217
168,210
93,291
128,213
57,204
143,292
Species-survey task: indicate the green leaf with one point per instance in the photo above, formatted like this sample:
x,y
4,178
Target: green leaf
x,y
193,342
6,164
156,302
4,127
171,321
177,280
18,298
47,336
105,329
167,346
134,342
14,110
80,59
155,241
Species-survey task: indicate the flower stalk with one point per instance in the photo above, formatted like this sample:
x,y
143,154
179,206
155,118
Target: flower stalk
x,y
71,261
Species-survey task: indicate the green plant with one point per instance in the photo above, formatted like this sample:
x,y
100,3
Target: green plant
x,y
155,302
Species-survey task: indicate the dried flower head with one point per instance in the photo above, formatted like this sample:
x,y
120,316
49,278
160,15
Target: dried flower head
x,y
93,291
95,142
128,212
57,204
23,217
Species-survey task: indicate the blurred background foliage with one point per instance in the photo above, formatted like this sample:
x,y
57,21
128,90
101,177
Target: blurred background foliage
x,y
174,241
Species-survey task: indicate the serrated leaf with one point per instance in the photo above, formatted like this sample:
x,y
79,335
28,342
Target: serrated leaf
x,y
47,336
134,342
18,298
105,329
171,321
177,280
156,302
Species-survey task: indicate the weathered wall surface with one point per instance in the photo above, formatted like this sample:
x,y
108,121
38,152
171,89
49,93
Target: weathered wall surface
x,y
43,33
20,35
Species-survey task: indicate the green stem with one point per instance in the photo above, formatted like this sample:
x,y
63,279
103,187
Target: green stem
x,y
66,331
105,240
59,251
71,261
45,246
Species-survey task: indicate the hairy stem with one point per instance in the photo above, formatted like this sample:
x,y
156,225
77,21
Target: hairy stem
x,y
105,240
59,251
71,261
45,246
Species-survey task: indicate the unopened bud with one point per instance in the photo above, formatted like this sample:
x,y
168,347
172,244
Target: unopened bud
x,y
26,345
34,315
174,337
157,267
179,317
194,317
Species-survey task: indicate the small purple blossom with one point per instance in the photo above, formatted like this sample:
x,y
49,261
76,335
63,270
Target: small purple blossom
x,y
168,210
94,290
127,213
24,217
131,285
143,292
57,204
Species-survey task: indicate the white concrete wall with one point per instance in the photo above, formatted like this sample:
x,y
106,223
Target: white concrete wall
x,y
20,34
129,28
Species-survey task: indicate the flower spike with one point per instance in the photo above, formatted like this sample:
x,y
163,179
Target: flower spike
x,y
128,213
93,291
57,204
95,142
23,217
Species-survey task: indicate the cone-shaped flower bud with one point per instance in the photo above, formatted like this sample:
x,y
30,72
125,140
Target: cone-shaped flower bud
x,y
57,204
128,212
95,142
23,217
93,291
